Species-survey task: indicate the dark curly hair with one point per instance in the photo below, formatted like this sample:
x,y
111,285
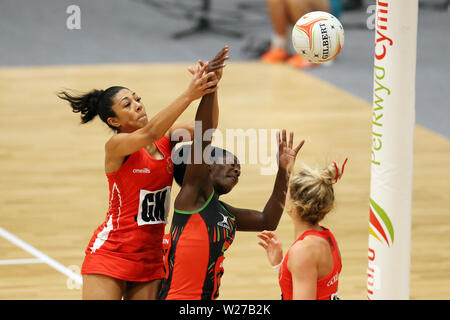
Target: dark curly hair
x,y
180,159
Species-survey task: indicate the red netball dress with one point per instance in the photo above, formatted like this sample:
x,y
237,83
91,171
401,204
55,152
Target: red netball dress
x,y
128,245
327,287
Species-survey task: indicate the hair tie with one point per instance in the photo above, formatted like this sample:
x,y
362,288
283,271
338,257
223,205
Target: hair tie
x,y
343,166
337,170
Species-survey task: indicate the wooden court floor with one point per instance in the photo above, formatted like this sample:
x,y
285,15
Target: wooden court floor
x,y
53,191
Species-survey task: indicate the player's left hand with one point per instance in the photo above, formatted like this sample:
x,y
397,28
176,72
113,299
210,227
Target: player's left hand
x,y
216,64
286,153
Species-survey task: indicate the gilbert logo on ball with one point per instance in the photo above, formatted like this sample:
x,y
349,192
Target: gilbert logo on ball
x,y
318,37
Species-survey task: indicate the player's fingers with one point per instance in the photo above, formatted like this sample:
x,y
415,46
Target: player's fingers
x,y
263,245
264,239
210,84
203,68
210,75
291,139
216,67
222,52
300,145
274,240
220,58
211,90
204,79
197,73
262,236
269,234
191,70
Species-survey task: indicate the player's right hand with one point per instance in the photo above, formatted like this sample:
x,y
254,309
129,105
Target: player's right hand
x,y
272,245
202,83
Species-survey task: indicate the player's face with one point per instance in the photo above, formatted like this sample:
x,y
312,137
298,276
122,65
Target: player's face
x,y
130,112
226,176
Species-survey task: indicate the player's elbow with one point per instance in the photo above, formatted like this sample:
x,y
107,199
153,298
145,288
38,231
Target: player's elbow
x,y
270,225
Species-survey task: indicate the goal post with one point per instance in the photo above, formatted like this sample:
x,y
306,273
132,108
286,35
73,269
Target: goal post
x,y
393,120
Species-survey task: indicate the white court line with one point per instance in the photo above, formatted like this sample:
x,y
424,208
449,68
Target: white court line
x,y
20,261
41,256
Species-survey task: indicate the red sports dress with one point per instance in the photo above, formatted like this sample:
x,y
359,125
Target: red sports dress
x,y
128,245
327,287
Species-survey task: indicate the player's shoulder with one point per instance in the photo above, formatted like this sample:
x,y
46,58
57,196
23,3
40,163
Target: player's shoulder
x,y
305,245
303,255
114,140
308,248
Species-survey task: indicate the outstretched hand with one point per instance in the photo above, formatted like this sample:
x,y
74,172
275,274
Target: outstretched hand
x,y
286,153
216,64
272,245
202,83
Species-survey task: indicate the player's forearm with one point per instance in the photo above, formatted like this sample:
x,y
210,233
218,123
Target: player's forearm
x,y
204,115
275,205
164,119
215,112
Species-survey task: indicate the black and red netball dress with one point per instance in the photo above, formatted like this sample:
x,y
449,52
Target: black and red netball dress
x,y
194,251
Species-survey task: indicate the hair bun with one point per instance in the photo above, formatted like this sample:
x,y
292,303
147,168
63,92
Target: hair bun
x,y
332,173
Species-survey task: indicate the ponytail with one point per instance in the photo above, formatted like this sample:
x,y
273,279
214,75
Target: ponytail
x,y
86,104
93,103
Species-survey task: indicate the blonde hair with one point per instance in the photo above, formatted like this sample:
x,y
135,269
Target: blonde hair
x,y
311,191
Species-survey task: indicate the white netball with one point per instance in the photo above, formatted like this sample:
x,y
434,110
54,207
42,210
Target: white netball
x,y
318,37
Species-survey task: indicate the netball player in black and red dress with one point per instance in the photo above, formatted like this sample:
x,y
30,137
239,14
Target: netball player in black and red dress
x,y
203,227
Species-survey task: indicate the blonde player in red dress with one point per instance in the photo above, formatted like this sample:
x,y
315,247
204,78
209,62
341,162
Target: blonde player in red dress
x,y
124,257
310,270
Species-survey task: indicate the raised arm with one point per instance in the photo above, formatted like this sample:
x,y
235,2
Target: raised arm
x,y
215,65
197,186
123,144
268,219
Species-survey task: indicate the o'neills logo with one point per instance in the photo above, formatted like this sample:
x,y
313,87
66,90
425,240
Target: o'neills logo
x,y
145,170
381,89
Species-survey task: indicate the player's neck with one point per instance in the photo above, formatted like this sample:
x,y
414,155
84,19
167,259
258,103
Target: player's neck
x,y
301,226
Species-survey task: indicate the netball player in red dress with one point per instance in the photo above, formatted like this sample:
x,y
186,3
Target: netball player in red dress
x,y
124,257
203,227
310,270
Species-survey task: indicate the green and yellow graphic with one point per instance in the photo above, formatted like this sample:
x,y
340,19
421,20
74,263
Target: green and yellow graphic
x,y
380,225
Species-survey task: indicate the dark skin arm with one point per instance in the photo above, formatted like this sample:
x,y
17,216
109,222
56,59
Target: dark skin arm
x,y
197,186
215,65
268,219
